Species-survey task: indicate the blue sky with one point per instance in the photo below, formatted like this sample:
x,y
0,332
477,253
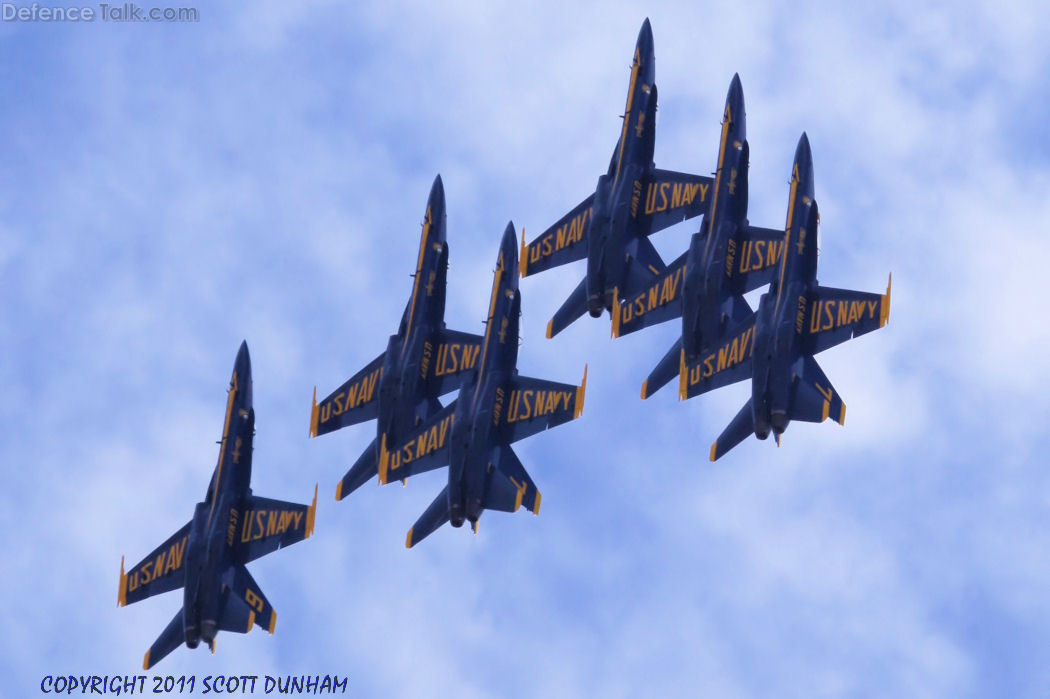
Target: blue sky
x,y
169,190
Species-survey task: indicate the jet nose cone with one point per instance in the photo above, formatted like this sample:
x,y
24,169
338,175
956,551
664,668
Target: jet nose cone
x,y
508,247
437,191
243,363
645,40
804,163
735,95
735,106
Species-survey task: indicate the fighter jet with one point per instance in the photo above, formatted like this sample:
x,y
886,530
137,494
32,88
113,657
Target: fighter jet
x,y
633,199
727,258
796,319
494,408
231,528
422,361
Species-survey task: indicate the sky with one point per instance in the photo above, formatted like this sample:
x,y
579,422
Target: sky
x,y
170,189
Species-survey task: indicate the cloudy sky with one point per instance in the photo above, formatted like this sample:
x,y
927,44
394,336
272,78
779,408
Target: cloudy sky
x,y
167,190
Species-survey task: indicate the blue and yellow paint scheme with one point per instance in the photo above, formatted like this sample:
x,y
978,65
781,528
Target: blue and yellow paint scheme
x,y
207,556
796,319
633,199
494,408
422,361
727,258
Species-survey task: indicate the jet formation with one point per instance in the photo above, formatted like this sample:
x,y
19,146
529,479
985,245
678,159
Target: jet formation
x,y
207,556
722,340
424,360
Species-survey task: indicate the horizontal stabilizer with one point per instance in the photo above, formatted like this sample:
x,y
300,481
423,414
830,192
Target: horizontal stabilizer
x,y
563,242
659,300
534,405
360,473
433,517
263,525
244,605
815,399
423,449
161,571
170,638
573,308
666,369
353,402
509,486
737,431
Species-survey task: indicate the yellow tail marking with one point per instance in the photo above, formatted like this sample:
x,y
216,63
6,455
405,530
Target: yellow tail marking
x,y
213,646
550,324
824,411
383,458
536,505
145,661
273,621
884,312
251,621
408,539
714,448
122,586
615,313
842,415
581,394
311,513
522,259
339,491
682,377
474,526
645,386
313,416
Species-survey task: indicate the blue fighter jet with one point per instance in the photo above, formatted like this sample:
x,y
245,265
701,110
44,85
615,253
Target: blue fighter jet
x,y
796,319
422,361
231,528
495,408
633,199
726,258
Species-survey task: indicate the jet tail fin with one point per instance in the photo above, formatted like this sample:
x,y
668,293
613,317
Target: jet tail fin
x,y
433,517
170,638
737,431
245,605
666,369
574,307
364,469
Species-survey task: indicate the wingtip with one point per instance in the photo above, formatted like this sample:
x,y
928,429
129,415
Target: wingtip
x,y
842,414
550,326
122,586
251,621
313,416
273,622
338,491
145,661
581,395
645,389
522,259
311,514
884,316
615,312
714,451
383,459
682,387
408,539
536,505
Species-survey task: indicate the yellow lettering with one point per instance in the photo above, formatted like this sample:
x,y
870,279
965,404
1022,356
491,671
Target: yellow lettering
x,y
663,196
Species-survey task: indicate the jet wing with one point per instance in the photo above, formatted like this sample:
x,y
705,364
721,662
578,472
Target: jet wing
x,y
161,571
659,301
726,363
453,354
564,242
353,402
672,197
263,526
837,315
423,449
757,260
534,405
244,605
